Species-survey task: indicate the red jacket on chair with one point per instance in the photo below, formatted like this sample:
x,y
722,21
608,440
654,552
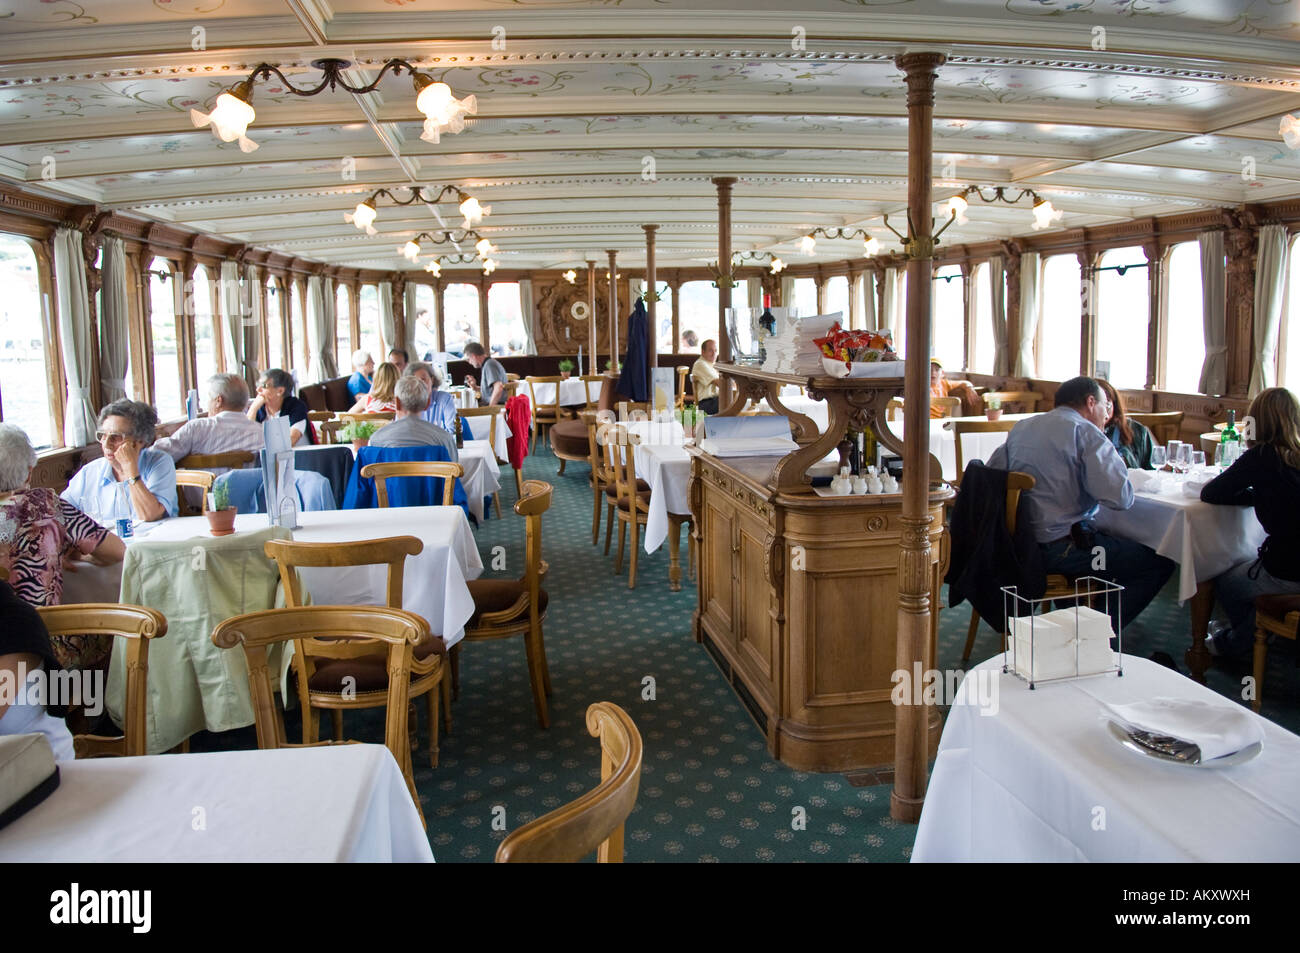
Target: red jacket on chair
x,y
519,417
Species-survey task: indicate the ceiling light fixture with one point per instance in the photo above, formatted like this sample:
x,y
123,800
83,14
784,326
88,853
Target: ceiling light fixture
x,y
571,276
412,248
1044,212
1289,130
363,216
489,266
808,244
365,212
233,111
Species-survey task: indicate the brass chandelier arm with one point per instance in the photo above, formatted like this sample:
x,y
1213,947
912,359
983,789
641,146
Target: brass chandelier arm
x,y
448,237
999,194
332,79
418,195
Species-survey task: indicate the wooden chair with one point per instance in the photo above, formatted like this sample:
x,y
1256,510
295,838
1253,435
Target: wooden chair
x,y
1027,398
631,497
507,607
683,372
320,416
400,631
1163,426
329,431
197,478
591,386
1058,586
495,412
138,626
961,427
951,406
602,478
379,417
548,414
323,666
593,822
449,473
234,460
1274,615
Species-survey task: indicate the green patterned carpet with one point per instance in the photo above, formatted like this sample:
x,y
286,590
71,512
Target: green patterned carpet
x,y
709,790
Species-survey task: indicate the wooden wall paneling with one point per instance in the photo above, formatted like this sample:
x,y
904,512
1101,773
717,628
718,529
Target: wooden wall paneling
x,y
1242,245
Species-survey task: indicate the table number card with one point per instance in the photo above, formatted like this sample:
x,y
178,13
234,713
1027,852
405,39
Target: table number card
x,y
278,481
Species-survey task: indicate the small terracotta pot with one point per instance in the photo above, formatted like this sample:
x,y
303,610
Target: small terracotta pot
x,y
565,375
358,444
993,414
222,522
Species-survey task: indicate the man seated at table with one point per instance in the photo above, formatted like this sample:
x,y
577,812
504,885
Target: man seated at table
x,y
442,405
1077,470
704,378
408,428
399,359
225,429
492,389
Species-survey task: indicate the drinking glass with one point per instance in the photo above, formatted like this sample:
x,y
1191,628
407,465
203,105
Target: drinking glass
x,y
1184,457
1198,459
1158,458
1173,454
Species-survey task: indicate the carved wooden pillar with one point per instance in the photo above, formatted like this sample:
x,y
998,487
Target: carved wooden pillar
x,y
855,297
821,280
484,331
914,569
675,287
592,357
142,313
880,295
94,281
724,185
1006,362
399,307
1242,246
968,310
440,317
354,315
613,309
1155,305
1087,309
652,358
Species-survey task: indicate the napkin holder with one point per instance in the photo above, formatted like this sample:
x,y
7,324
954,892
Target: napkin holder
x,y
28,774
1042,644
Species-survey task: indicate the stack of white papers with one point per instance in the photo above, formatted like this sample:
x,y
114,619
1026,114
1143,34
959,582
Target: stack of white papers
x,y
792,351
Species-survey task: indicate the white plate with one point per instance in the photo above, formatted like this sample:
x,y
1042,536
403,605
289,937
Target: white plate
x,y
1249,753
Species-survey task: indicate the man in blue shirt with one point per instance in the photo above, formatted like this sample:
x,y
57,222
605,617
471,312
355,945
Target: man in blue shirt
x,y
1077,470
363,373
442,406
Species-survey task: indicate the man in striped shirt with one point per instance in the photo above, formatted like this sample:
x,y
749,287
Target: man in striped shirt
x,y
224,430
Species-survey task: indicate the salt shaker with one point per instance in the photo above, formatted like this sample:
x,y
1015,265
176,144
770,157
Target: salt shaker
x,y
860,486
842,485
874,484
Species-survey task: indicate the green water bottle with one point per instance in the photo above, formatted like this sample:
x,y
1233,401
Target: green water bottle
x,y
1230,441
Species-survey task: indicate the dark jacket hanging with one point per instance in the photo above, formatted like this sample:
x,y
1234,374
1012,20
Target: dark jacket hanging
x,y
634,384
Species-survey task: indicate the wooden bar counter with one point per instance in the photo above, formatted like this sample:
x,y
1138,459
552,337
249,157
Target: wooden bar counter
x,y
798,593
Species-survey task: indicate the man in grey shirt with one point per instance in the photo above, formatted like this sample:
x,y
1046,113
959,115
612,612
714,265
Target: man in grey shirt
x,y
408,428
492,388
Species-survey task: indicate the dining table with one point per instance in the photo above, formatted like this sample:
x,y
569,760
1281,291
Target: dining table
x,y
482,477
342,803
1205,541
1036,775
331,460
574,391
481,429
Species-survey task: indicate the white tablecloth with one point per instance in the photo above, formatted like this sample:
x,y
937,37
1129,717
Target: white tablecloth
x,y
816,409
482,474
1205,540
943,441
480,427
434,581
1038,780
344,803
463,396
572,392
667,468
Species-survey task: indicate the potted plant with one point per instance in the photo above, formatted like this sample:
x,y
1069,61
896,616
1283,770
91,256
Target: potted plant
x,y
221,515
358,433
992,408
609,366
566,369
692,420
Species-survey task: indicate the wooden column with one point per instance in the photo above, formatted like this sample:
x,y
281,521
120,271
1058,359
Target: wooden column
x,y
1087,309
821,280
855,297
1155,305
652,359
484,331
592,357
1011,252
724,185
1241,243
399,308
354,317
910,748
880,297
142,314
675,288
440,319
967,304
613,309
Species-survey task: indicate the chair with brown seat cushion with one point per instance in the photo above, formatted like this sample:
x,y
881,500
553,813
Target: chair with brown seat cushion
x,y
390,634
972,403
631,495
593,822
322,667
138,626
569,441
547,415
1058,586
508,607
1274,615
200,479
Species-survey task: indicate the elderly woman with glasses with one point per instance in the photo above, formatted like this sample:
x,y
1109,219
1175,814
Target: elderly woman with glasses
x,y
125,432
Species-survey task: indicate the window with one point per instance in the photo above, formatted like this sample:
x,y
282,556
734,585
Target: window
x,y
837,297
948,318
697,315
24,375
804,299
1059,322
275,350
426,331
664,343
167,395
1184,327
343,321
506,320
1122,312
372,338
985,349
198,303
460,323
1288,370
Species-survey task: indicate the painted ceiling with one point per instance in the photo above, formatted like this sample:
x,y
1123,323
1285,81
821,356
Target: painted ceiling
x,y
599,116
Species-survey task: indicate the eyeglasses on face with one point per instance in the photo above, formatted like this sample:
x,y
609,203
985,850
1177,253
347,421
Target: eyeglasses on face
x,y
110,437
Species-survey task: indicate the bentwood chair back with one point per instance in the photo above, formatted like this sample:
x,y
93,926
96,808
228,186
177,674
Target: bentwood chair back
x,y
338,675
591,385
329,430
495,413
380,417
1029,399
595,821
201,479
320,416
602,477
631,496
1058,586
1278,615
960,428
397,632
138,626
545,415
508,607
951,406
683,373
1164,426
233,460
449,473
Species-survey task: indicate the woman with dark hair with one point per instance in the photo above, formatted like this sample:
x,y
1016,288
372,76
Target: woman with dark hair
x,y
1130,438
275,399
1266,476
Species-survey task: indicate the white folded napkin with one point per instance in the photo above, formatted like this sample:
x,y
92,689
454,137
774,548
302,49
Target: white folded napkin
x,y
1217,729
748,446
1140,478
863,368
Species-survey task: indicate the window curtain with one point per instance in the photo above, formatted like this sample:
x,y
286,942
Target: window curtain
x,y
754,287
869,319
387,321
232,312
787,292
74,328
321,343
526,309
1030,275
329,304
1270,282
252,296
1214,313
114,346
998,301
408,303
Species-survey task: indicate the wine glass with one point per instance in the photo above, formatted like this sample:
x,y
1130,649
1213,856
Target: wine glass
x,y
1184,457
1158,457
1198,459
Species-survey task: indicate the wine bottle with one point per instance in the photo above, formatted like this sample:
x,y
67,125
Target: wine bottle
x,y
767,320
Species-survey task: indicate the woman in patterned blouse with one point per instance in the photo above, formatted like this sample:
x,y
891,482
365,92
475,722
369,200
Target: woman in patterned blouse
x,y
40,534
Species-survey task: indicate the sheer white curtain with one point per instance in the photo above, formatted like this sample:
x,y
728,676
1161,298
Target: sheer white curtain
x,y
113,320
526,310
233,313
330,306
1029,308
1270,283
998,301
387,321
1214,313
891,316
869,318
408,306
254,286
319,345
754,287
787,292
74,328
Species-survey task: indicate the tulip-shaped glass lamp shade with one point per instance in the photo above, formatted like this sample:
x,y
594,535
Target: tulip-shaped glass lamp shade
x,y
807,245
434,268
958,204
472,211
230,116
1290,131
871,248
363,217
571,276
1045,214
489,266
442,111
484,247
411,250
778,266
